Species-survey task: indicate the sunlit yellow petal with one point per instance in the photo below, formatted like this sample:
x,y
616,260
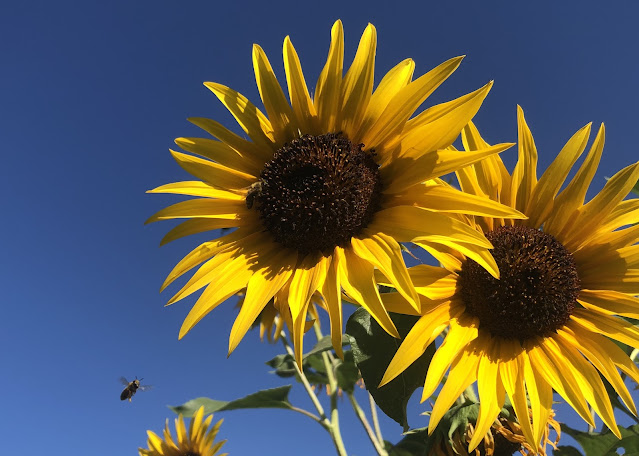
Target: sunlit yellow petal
x,y
406,101
524,177
329,83
220,153
262,286
278,110
333,298
358,82
357,280
213,173
298,92
253,122
540,202
422,334
463,372
570,199
457,339
384,253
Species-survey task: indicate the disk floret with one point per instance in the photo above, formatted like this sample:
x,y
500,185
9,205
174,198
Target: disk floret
x,y
537,290
318,192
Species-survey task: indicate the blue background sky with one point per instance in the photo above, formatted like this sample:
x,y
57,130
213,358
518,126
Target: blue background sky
x,y
92,95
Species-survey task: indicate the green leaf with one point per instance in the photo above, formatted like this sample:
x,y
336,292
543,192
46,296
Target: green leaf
x,y
346,372
606,443
268,398
325,344
373,350
416,442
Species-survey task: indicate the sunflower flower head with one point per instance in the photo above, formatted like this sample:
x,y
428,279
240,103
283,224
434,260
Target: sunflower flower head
x,y
324,189
198,441
569,274
504,438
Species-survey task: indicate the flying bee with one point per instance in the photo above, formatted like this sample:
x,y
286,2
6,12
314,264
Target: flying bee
x,y
254,191
131,388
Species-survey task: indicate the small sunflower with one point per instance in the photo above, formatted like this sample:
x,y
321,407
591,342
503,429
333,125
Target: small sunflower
x,y
199,441
569,274
325,189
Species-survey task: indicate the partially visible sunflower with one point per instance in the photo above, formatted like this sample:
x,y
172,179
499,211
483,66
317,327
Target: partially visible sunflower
x,y
569,274
199,441
325,189
504,438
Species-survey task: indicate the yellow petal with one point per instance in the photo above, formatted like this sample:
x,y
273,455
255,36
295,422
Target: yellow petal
x,y
410,224
262,286
524,177
196,188
358,83
202,253
597,209
231,279
298,92
588,380
422,334
463,373
573,196
512,373
442,198
492,395
457,339
218,152
252,120
540,395
625,213
308,277
384,253
277,108
204,208
213,173
492,176
198,225
331,292
603,364
615,328
441,132
421,165
357,280
404,103
610,302
603,347
562,378
249,151
540,203
392,82
329,83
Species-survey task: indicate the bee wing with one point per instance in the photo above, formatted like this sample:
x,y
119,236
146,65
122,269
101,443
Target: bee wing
x,y
124,381
145,387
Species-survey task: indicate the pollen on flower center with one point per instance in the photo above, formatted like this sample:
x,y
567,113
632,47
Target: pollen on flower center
x,y
536,293
318,192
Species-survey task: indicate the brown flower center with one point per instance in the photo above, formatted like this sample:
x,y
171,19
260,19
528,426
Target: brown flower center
x,y
318,192
536,293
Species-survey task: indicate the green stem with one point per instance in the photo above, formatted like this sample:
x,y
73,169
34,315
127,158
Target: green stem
x,y
332,425
378,430
329,366
367,427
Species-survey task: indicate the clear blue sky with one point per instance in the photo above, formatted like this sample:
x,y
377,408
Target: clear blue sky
x,y
92,95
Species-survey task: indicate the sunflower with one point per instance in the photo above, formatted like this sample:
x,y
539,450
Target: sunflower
x,y
199,441
325,189
569,274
